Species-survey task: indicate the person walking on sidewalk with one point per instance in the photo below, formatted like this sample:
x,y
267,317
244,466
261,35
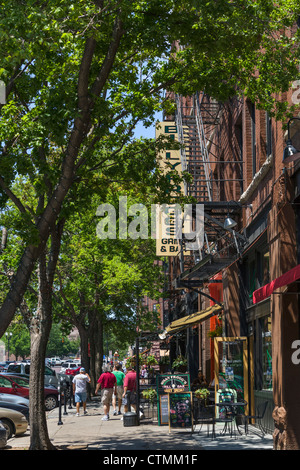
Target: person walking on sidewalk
x,y
129,393
108,383
79,389
119,374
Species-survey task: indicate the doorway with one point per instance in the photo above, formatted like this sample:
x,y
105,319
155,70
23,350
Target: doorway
x,y
234,367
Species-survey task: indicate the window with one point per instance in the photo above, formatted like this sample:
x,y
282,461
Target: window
x,y
21,382
266,333
253,132
15,368
265,267
5,383
269,134
49,371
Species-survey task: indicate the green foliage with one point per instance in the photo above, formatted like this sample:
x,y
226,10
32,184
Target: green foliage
x,y
150,394
180,361
59,344
19,340
80,76
150,360
202,394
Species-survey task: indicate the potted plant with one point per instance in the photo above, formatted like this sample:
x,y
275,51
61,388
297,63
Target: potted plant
x,y
150,394
180,364
216,332
164,363
151,361
202,394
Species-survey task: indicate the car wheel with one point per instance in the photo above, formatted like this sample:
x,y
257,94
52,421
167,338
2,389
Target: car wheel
x,y
10,429
51,402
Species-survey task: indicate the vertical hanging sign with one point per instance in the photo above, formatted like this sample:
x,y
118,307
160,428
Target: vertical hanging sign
x,y
167,243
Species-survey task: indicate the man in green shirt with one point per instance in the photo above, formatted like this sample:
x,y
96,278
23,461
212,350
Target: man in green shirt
x,y
119,374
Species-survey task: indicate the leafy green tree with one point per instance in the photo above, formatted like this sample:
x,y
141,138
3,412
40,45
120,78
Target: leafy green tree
x,y
102,282
59,343
17,340
80,76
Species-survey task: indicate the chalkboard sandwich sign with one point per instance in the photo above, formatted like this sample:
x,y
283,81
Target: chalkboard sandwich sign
x,y
180,410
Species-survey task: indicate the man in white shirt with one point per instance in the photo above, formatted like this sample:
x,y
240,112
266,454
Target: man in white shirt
x,y
79,389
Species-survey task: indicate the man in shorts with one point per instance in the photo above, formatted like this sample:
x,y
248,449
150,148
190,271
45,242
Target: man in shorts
x,y
120,379
79,389
108,383
129,393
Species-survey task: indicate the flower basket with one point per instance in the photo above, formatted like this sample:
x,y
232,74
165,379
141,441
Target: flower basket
x,y
202,394
180,364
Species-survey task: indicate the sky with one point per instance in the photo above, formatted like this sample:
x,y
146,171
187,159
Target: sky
x,y
149,132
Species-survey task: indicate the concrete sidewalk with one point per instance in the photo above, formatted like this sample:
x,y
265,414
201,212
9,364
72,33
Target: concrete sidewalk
x,y
89,432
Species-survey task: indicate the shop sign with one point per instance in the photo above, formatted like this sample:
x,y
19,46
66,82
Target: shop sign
x,y
173,383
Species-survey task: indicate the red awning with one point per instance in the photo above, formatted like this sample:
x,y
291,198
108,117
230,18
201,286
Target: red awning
x,y
287,278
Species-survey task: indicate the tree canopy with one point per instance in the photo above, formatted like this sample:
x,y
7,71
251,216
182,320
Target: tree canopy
x,y
79,76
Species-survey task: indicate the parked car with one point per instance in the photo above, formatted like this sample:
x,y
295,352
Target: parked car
x,y
15,399
68,365
13,406
50,377
14,422
55,361
20,386
72,371
3,436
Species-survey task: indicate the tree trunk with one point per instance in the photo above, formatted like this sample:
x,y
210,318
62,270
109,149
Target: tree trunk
x,y
40,330
98,343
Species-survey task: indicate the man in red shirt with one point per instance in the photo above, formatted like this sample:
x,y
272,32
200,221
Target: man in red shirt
x,y
129,385
108,383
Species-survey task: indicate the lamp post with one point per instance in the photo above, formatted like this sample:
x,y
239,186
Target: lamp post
x,y
137,347
8,336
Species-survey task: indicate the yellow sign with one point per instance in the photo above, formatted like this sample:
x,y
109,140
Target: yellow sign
x,y
167,244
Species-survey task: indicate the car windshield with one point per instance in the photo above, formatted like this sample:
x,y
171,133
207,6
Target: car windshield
x,y
14,368
49,371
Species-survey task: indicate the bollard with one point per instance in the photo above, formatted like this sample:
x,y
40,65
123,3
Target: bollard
x,y
65,396
59,407
71,393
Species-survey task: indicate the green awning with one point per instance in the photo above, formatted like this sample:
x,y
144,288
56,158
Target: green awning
x,y
194,319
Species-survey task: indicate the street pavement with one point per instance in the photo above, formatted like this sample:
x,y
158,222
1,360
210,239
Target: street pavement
x,y
90,432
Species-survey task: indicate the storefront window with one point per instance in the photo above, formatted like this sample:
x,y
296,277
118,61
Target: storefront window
x,y
265,268
267,353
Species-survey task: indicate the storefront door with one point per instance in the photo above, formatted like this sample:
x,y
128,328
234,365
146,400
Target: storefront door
x,y
234,367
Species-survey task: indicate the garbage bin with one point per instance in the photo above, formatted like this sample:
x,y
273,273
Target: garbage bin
x,y
130,418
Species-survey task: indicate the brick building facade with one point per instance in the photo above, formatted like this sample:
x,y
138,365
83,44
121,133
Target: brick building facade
x,y
248,181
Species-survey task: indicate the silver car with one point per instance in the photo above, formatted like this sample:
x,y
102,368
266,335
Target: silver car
x,y
3,436
14,422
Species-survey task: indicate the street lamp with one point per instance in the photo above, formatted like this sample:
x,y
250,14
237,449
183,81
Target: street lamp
x,y
290,153
8,336
229,222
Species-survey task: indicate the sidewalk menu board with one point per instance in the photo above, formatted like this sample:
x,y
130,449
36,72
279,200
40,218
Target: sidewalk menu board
x,y
166,384
163,409
180,410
